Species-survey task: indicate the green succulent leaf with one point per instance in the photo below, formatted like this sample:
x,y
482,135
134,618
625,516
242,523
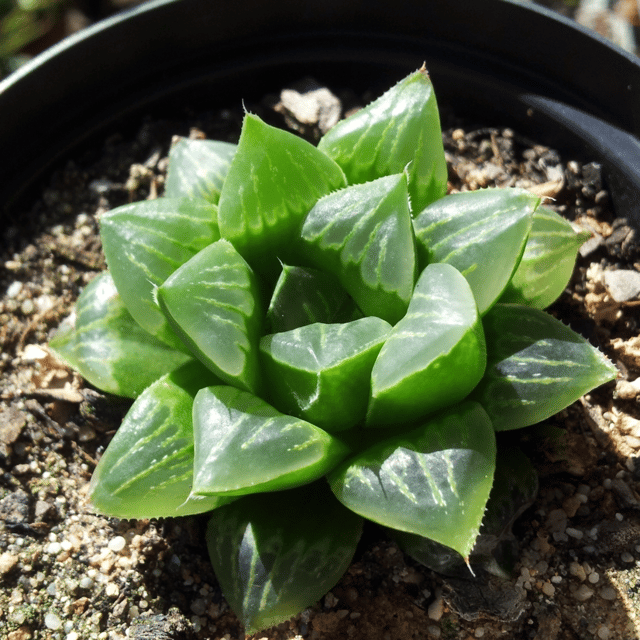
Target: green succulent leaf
x,y
433,481
536,366
198,168
363,235
213,303
312,370
304,296
547,263
109,348
276,554
274,180
434,356
481,233
145,242
243,445
401,129
515,486
147,470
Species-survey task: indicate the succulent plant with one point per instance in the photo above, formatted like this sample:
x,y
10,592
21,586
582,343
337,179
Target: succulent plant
x,y
315,336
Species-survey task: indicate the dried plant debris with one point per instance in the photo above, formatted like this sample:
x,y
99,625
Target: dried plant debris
x,y
68,574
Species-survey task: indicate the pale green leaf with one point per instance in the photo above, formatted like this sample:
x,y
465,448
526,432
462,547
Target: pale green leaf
x,y
109,348
243,445
274,180
481,233
322,372
363,235
400,130
515,486
434,356
147,469
145,242
213,303
198,168
547,263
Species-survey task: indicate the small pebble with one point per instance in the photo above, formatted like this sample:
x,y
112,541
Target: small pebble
x,y
52,621
54,549
583,593
198,607
436,609
86,583
574,533
117,544
433,631
112,590
479,632
608,593
577,570
7,562
14,289
594,577
27,307
627,557
548,589
603,633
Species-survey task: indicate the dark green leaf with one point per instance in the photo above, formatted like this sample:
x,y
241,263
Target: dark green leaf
x,y
276,554
213,303
536,366
145,242
433,481
322,372
109,348
147,470
198,168
363,235
304,296
401,129
514,489
243,445
434,356
481,233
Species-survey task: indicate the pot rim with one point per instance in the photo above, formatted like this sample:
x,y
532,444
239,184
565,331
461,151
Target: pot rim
x,y
540,70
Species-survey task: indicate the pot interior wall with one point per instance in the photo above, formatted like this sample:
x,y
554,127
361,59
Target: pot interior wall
x,y
112,77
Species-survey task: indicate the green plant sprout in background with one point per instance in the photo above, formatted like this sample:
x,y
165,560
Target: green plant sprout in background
x,y
315,336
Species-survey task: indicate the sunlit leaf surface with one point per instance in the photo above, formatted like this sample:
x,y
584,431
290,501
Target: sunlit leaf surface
x,y
363,235
213,303
547,263
274,180
481,233
244,445
145,242
198,168
109,347
433,481
311,370
434,356
400,130
536,366
147,471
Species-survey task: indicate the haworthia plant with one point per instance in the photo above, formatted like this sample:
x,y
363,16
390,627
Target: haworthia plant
x,y
318,335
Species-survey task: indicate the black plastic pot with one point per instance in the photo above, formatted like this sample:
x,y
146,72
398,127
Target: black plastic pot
x,y
504,60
